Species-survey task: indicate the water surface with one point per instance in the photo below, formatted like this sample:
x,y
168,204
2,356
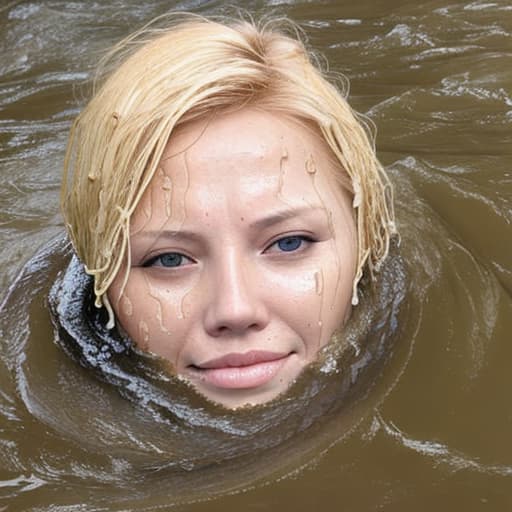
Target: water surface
x,y
417,416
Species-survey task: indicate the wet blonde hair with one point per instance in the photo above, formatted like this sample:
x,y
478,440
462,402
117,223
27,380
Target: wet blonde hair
x,y
190,69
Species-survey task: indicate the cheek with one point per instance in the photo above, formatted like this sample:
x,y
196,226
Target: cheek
x,y
153,314
133,310
293,285
315,299
299,295
168,299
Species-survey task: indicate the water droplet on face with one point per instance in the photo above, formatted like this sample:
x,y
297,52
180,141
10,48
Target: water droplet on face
x,y
284,156
180,314
181,310
319,289
126,306
310,165
167,187
156,295
330,220
187,187
167,183
319,283
144,334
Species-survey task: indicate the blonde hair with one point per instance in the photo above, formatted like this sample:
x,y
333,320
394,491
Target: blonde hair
x,y
192,68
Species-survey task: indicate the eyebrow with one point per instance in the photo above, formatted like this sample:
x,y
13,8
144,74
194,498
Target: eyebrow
x,y
179,235
265,222
283,215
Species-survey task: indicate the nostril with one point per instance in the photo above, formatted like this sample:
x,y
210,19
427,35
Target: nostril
x,y
235,308
226,328
235,326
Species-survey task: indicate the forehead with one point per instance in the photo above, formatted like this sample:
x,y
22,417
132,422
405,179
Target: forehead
x,y
247,131
251,148
242,163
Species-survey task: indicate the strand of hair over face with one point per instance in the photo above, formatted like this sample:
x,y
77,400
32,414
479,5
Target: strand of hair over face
x,y
160,78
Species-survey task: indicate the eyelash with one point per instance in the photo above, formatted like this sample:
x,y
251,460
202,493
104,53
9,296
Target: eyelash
x,y
151,262
300,238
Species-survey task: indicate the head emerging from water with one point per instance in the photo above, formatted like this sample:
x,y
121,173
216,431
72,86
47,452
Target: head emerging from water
x,y
226,200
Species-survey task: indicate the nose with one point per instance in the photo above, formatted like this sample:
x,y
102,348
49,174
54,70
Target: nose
x,y
235,305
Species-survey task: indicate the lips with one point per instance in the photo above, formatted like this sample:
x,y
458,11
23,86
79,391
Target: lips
x,y
241,371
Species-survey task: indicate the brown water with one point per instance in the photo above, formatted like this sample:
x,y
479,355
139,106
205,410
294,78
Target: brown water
x,y
417,416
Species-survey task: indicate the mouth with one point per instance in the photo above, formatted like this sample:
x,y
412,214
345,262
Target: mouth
x,y
241,371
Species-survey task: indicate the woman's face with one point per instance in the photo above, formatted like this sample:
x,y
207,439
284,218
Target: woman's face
x,y
243,254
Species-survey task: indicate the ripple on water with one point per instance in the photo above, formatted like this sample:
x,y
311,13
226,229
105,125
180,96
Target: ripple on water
x,y
432,413
161,424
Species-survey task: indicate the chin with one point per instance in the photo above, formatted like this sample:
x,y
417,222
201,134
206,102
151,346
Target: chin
x,y
237,399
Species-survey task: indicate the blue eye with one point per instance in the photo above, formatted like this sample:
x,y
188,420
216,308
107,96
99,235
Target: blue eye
x,y
290,243
171,259
167,260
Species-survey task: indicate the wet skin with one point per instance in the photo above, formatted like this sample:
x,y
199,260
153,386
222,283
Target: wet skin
x,y
243,254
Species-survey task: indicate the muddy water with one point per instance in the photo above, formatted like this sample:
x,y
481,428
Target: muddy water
x,y
415,414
